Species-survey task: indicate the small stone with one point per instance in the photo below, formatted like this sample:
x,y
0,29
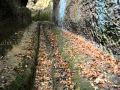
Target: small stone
x,y
26,66
2,77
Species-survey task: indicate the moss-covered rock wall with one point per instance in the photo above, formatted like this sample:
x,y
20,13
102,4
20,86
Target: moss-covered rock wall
x,y
97,20
13,16
41,9
12,12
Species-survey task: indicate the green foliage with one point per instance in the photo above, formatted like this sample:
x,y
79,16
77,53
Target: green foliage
x,y
42,17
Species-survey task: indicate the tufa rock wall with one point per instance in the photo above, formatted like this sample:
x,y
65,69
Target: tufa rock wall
x,y
11,11
97,20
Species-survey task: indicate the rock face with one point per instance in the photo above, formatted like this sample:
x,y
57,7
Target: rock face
x,y
97,20
13,16
41,9
38,4
55,10
14,10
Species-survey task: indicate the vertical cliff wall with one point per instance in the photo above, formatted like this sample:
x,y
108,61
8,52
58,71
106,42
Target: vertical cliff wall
x,y
14,10
38,4
13,15
97,20
41,9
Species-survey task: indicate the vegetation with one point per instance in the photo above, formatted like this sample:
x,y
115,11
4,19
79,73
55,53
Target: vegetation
x,y
42,17
80,83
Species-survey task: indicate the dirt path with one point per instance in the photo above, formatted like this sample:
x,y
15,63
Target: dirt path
x,y
64,61
99,68
52,71
63,74
103,70
43,78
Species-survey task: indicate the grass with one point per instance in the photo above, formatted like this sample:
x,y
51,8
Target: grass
x,y
80,83
67,58
24,77
42,17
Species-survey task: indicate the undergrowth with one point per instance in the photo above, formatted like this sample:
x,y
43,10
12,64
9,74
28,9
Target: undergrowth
x,y
42,17
80,83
